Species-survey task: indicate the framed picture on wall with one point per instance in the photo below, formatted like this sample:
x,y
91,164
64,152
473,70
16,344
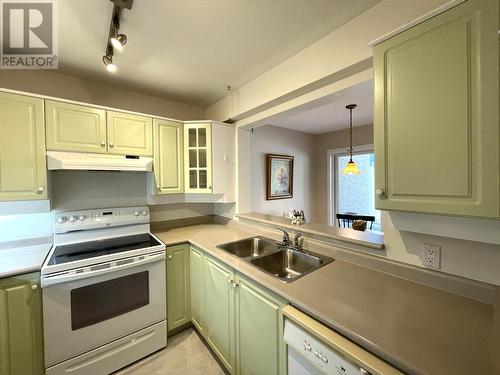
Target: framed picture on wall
x,y
279,177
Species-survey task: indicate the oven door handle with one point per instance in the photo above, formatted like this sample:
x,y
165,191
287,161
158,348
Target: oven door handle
x,y
49,280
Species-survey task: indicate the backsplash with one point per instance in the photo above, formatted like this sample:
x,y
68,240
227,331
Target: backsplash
x,y
16,227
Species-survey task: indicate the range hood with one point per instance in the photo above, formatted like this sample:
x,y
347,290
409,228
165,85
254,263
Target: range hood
x,y
98,162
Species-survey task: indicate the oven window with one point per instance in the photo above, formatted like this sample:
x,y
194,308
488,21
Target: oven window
x,y
98,302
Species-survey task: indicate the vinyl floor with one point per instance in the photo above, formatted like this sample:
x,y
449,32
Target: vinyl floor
x,y
185,354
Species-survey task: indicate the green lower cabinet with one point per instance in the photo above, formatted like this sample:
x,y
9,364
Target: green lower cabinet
x,y
198,288
259,331
21,333
220,311
178,280
241,321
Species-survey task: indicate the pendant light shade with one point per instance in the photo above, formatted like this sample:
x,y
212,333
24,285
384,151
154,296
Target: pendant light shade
x,y
351,167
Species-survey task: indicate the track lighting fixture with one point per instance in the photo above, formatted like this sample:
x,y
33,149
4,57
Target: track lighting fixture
x,y
118,41
115,39
110,66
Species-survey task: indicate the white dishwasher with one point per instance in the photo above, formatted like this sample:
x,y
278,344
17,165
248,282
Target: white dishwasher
x,y
314,349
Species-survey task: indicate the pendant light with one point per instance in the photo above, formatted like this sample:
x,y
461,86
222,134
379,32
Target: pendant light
x,y
351,167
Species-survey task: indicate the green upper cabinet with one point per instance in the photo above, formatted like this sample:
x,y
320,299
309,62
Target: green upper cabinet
x,y
197,286
259,326
168,156
436,114
79,128
210,160
23,174
178,293
21,335
72,127
198,157
129,134
220,311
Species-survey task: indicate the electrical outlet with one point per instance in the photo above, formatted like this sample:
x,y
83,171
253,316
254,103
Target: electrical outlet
x,y
431,256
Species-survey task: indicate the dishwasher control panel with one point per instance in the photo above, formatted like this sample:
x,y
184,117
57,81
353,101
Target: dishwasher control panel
x,y
307,354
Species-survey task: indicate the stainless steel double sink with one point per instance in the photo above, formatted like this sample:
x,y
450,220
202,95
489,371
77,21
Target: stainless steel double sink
x,y
283,262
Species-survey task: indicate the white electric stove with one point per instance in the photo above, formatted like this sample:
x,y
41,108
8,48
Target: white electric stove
x,y
104,298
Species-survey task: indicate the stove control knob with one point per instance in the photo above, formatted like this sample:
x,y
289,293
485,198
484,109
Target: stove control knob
x,y
82,217
72,219
61,219
136,213
144,213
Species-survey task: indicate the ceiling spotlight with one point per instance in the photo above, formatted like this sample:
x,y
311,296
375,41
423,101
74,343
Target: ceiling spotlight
x,y
108,61
118,41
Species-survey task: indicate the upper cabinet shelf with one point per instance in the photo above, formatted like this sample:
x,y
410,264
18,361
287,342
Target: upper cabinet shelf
x,y
436,115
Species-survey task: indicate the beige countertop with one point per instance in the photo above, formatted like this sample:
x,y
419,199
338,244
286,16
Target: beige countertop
x,y
419,329
23,256
369,239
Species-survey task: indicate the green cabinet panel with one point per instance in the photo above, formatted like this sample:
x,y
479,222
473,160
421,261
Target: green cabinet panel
x,y
436,114
23,174
72,127
168,156
21,335
259,326
198,158
241,321
198,288
178,293
220,311
129,134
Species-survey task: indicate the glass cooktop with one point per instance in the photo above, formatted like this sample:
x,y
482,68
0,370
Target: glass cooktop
x,y
87,250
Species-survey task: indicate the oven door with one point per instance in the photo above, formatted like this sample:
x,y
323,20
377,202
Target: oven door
x,y
82,311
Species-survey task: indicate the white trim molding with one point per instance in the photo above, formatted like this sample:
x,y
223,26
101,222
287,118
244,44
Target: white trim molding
x,y
450,4
331,183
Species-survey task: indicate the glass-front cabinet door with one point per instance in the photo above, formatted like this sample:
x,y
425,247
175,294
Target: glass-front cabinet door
x,y
198,158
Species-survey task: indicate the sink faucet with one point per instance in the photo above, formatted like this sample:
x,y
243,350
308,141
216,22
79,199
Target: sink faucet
x,y
298,241
286,237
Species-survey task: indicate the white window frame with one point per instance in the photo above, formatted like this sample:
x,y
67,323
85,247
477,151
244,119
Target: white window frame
x,y
331,180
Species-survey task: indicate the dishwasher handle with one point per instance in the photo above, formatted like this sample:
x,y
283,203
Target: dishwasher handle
x,y
100,269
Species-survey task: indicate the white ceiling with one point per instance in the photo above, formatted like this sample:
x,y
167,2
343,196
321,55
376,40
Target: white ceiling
x,y
190,50
330,113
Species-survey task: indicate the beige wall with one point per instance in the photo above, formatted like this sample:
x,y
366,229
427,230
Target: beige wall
x,y
459,256
178,211
62,86
361,135
75,190
274,140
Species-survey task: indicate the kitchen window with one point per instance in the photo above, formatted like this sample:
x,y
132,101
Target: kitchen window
x,y
352,194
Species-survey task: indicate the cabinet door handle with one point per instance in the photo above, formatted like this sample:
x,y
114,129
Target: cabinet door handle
x,y
111,144
103,143
169,257
41,189
379,192
34,286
